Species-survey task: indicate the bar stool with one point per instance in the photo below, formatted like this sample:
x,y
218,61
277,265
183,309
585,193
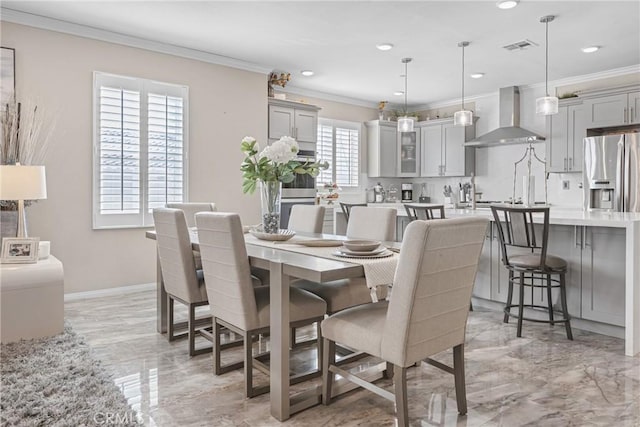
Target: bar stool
x,y
424,212
516,230
346,208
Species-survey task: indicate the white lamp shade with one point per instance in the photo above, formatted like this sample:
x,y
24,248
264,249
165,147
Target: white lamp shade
x,y
547,105
463,118
22,182
405,124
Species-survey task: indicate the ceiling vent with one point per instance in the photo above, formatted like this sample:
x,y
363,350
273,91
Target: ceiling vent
x,y
521,45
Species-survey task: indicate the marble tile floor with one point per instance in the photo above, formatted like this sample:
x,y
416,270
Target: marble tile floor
x,y
541,379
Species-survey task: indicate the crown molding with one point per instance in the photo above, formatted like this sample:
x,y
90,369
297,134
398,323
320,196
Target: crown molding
x,y
296,90
43,22
554,83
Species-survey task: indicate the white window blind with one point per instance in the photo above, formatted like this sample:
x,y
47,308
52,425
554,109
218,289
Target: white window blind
x,y
339,144
140,149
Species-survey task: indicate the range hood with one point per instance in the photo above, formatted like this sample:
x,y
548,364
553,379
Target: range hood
x,y
509,131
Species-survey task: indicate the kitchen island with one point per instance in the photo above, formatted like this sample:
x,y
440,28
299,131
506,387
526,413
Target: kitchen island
x,y
603,252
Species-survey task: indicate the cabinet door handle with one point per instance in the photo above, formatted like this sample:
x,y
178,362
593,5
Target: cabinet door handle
x,y
632,116
570,163
565,163
575,237
585,244
625,115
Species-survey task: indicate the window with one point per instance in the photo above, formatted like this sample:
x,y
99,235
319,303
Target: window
x,y
140,149
339,144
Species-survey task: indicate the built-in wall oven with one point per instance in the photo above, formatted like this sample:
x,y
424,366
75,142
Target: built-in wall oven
x,y
304,185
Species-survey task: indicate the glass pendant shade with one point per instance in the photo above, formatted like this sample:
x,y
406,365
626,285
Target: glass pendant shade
x,y
463,118
547,105
405,124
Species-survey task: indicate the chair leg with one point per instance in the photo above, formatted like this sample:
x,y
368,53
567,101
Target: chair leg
x,y
192,329
470,306
388,372
520,306
565,310
550,300
170,325
319,344
400,386
328,359
248,365
509,298
458,371
217,364
292,338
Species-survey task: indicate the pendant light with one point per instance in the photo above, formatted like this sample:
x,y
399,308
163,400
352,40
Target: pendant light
x,y
463,117
405,124
547,105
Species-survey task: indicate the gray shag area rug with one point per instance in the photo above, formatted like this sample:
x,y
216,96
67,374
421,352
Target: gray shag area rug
x,y
56,381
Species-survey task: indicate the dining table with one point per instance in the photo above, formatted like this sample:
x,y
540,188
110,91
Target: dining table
x,y
283,265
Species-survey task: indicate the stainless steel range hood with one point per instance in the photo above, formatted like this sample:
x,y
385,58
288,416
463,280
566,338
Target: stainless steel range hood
x,y
509,131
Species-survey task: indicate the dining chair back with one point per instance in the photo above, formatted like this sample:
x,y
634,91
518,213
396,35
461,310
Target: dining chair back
x,y
190,210
372,223
180,277
424,212
306,218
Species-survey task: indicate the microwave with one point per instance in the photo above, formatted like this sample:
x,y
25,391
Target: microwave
x,y
303,185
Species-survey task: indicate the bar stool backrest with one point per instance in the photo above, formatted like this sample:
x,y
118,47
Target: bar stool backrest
x,y
422,212
516,230
346,208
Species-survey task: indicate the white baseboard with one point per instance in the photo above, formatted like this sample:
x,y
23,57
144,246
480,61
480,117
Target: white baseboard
x,y
75,296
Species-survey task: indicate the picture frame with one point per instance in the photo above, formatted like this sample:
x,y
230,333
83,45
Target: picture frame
x,y
19,250
7,76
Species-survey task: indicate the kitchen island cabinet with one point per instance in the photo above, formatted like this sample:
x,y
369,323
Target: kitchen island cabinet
x,y
603,252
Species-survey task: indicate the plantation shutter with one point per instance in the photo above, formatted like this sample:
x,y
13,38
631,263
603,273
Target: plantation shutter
x,y
324,152
140,149
165,148
347,156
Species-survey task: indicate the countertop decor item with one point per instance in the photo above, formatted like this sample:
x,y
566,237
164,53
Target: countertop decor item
x,y
381,106
331,194
463,117
22,183
547,104
405,123
271,167
279,236
280,80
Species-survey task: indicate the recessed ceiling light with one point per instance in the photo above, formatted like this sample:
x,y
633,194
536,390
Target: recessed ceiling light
x,y
384,46
507,4
398,93
477,75
307,73
590,49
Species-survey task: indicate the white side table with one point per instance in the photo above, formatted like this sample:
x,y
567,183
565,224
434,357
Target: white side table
x,y
31,300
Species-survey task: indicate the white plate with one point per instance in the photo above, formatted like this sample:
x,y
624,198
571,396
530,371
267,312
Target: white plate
x,y
384,254
282,235
376,251
318,243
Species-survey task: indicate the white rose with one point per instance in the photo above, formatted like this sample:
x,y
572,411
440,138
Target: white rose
x,y
248,139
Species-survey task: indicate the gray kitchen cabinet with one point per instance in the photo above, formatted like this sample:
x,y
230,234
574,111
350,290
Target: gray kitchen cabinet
x,y
408,153
564,242
482,286
443,149
382,148
567,129
615,107
603,274
295,119
401,224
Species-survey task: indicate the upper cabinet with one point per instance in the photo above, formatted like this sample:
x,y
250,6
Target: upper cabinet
x,y
443,149
567,129
408,163
382,148
616,107
295,119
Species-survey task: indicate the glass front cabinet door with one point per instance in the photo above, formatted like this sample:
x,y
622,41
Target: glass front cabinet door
x,y
409,153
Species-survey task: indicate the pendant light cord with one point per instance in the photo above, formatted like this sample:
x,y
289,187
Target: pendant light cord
x,y
546,58
462,77
406,77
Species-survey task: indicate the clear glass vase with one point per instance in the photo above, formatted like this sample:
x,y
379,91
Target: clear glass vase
x,y
270,192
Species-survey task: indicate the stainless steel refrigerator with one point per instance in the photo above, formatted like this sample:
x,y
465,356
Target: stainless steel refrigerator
x,y
612,172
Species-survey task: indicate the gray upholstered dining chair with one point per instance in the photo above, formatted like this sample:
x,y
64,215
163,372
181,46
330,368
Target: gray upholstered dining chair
x,y
372,223
365,223
306,218
182,281
426,315
235,303
190,210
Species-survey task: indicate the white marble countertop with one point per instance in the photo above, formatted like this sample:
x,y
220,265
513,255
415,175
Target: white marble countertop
x,y
558,215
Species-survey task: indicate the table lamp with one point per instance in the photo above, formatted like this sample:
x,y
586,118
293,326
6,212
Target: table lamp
x,y
22,183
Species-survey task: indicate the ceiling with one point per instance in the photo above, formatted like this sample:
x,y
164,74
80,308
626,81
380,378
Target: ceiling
x,y
337,39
